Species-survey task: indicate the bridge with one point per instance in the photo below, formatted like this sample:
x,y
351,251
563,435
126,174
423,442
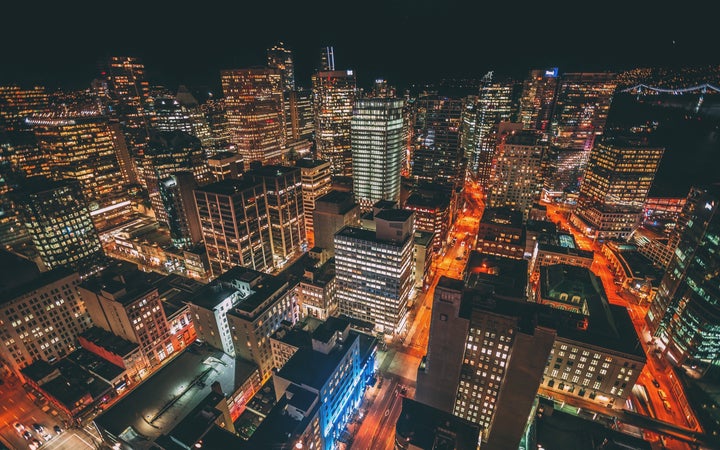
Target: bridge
x,y
700,90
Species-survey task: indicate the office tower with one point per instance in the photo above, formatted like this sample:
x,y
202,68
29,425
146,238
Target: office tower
x,y
485,360
176,193
538,99
224,165
56,216
234,221
497,102
239,311
169,152
468,126
254,109
618,177
284,199
52,300
327,59
315,178
280,58
432,213
516,178
581,109
374,270
198,122
81,146
684,314
299,119
17,104
377,148
438,156
128,165
424,427
170,115
563,169
214,112
129,95
317,290
381,89
334,98
127,304
314,406
333,211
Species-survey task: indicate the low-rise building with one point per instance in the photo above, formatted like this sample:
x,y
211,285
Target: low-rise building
x,y
118,351
636,273
501,233
423,427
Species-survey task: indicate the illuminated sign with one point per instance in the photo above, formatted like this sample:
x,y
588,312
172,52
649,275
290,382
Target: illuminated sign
x,y
349,72
552,72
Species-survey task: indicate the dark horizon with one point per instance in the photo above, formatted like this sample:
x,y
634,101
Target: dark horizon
x,y
403,41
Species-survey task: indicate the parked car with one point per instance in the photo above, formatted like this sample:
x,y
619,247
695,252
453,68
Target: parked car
x,y
19,427
27,435
655,383
666,404
57,429
37,427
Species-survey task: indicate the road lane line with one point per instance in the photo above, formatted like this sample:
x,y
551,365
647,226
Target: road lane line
x,y
86,442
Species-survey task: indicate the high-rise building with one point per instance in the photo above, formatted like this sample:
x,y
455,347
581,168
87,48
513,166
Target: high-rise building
x,y
334,98
176,193
169,152
299,122
333,211
280,58
170,115
198,122
56,216
224,165
49,299
81,146
581,109
254,109
497,102
327,59
468,126
377,148
537,102
316,182
516,177
234,221
284,199
485,361
563,170
17,104
684,314
438,156
127,304
617,180
374,270
432,210
129,94
423,427
214,112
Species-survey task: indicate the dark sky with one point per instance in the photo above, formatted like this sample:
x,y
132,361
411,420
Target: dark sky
x,y
400,40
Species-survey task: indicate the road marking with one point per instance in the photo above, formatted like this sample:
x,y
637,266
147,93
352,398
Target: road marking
x,y
4,407
86,442
22,409
12,400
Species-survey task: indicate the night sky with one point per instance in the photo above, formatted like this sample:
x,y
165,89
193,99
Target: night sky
x,y
401,40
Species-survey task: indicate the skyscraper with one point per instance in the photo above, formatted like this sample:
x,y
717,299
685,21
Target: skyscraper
x,y
254,109
81,146
374,270
515,180
438,156
57,218
16,104
170,115
327,59
684,316
581,109
199,124
538,99
334,98
497,103
299,121
280,58
377,149
333,211
129,94
617,180
316,182
235,226
176,193
283,194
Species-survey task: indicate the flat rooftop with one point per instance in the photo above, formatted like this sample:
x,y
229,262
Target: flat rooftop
x,y
310,163
507,276
394,215
109,341
163,400
228,186
417,200
272,171
426,427
125,286
365,235
28,280
502,216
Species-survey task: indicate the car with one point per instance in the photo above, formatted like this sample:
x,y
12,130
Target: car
x,y
47,436
19,427
655,383
37,427
462,244
57,429
662,394
27,435
36,443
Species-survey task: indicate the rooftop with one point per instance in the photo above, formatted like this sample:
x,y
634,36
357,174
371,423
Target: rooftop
x,y
340,199
502,216
15,271
310,163
272,171
110,342
425,427
163,400
507,276
418,200
423,238
28,280
229,186
365,235
124,286
394,215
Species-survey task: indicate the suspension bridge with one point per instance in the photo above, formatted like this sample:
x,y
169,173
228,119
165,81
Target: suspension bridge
x,y
700,90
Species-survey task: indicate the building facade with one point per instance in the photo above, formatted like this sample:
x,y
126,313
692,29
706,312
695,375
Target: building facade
x,y
333,98
316,182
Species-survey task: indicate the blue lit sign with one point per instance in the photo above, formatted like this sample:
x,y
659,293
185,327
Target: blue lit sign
x,y
552,72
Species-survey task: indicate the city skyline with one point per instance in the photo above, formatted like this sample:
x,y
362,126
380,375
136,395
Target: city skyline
x,y
399,52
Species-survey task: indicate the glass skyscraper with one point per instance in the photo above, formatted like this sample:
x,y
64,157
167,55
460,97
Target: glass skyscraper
x,y
377,149
334,97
